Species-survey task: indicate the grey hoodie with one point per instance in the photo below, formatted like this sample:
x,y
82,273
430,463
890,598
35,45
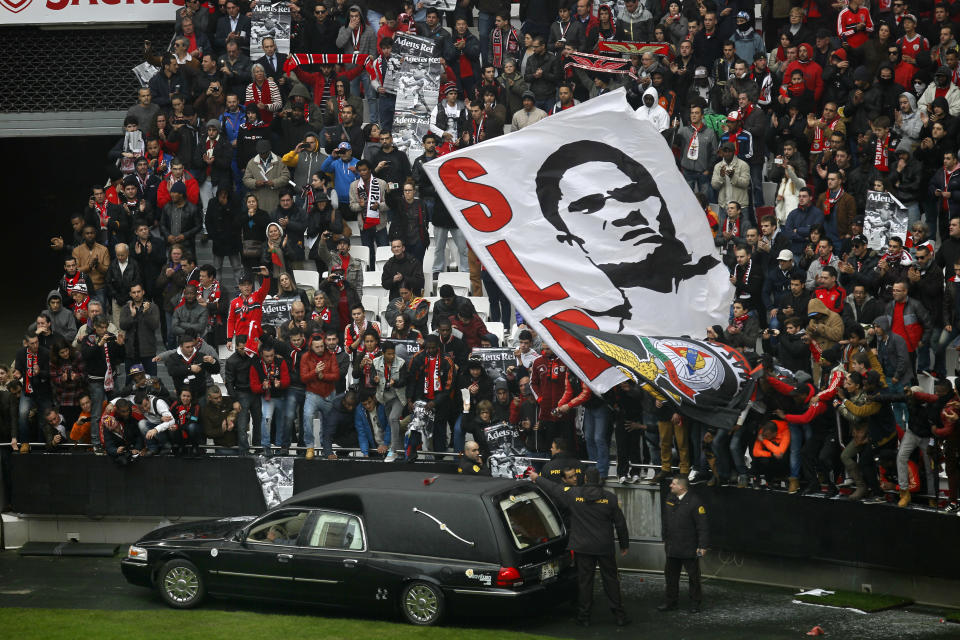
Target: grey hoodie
x,y
909,129
63,321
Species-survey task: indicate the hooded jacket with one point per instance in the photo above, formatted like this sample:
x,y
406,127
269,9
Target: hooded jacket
x,y
748,43
952,95
636,26
892,351
656,115
305,163
63,321
827,328
812,72
910,125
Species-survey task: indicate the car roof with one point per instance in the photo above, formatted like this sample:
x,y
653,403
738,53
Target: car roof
x,y
422,483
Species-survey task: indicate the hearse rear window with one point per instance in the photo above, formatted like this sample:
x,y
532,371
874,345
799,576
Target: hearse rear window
x,y
530,519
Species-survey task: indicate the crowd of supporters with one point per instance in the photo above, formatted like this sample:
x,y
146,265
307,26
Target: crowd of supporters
x,y
273,171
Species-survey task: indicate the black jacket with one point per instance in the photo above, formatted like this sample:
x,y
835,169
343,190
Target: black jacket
x,y
409,267
236,374
592,512
469,467
118,284
553,470
684,526
184,378
222,226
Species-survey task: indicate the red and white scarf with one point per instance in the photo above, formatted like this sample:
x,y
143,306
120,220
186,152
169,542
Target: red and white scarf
x,y
272,372
825,262
321,314
101,208
431,381
733,226
31,368
693,149
261,95
372,193
830,200
741,321
108,375
512,45
820,142
881,158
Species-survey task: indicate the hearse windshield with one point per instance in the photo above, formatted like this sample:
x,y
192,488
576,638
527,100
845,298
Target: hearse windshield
x,y
530,519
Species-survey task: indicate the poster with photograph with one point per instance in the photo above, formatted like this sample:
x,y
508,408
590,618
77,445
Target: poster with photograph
x,y
269,21
276,311
495,361
417,86
884,217
441,5
406,349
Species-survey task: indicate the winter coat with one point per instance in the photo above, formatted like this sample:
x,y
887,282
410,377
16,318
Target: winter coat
x,y
223,226
118,284
278,175
735,187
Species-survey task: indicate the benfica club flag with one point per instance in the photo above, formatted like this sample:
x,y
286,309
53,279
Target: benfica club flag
x,y
584,218
708,381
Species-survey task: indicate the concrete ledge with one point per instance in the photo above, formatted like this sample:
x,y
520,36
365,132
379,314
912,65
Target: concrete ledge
x,y
61,123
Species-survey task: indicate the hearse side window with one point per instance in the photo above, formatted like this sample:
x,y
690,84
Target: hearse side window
x,y
282,527
530,518
337,531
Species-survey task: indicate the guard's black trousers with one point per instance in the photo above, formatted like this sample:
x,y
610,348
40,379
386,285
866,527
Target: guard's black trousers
x,y
586,564
671,573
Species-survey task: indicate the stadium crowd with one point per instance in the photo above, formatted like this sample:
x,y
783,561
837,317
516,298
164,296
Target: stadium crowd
x,y
274,172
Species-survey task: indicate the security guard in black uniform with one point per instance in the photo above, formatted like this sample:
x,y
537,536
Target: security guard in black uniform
x,y
594,514
685,540
471,463
560,458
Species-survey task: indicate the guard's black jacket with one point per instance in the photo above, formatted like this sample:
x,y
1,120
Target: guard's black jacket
x,y
470,467
684,526
594,513
553,470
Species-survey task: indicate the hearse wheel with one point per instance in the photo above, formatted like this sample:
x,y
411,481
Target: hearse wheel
x,y
421,603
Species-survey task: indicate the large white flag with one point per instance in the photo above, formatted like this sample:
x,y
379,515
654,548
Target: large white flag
x,y
585,218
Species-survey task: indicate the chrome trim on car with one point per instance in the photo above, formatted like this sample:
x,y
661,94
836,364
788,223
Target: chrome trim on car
x,y
319,580
251,575
484,592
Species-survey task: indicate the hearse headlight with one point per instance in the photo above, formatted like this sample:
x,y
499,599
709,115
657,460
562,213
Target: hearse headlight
x,y
137,553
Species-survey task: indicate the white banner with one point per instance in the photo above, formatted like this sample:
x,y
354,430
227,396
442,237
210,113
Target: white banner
x,y
269,21
87,11
585,218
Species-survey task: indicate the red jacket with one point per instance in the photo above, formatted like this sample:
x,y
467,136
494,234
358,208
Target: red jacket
x,y
246,314
193,190
325,384
262,384
574,394
548,379
846,23
812,73
833,298
472,330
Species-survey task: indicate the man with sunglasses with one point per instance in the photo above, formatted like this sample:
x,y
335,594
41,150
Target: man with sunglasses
x,y
320,34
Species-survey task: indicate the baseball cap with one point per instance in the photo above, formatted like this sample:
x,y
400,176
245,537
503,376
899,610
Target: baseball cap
x,y
859,239
245,277
840,53
743,14
344,146
733,115
135,368
909,16
786,254
700,72
78,288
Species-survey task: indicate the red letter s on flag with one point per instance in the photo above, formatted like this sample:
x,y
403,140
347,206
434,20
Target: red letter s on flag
x,y
456,175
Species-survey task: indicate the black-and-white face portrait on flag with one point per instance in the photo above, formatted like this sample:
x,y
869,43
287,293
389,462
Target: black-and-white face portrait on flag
x,y
584,217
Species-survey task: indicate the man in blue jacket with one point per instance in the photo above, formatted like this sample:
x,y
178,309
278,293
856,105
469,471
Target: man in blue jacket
x,y
373,430
798,222
343,165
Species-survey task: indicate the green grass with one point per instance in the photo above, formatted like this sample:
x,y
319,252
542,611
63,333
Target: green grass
x,y
71,624
869,602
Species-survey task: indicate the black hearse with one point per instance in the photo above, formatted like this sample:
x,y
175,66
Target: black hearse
x,y
399,540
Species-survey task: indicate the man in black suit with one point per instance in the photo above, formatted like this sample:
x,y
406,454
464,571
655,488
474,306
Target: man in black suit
x,y
685,541
272,62
232,26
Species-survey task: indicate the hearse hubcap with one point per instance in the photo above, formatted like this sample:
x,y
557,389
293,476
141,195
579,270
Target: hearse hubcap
x,y
421,603
181,584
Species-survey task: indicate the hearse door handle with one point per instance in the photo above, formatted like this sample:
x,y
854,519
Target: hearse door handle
x,y
350,562
284,557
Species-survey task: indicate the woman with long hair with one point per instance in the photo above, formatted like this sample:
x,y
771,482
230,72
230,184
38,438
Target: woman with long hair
x,y
253,223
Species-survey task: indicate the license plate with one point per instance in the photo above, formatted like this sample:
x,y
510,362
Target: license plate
x,y
549,570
